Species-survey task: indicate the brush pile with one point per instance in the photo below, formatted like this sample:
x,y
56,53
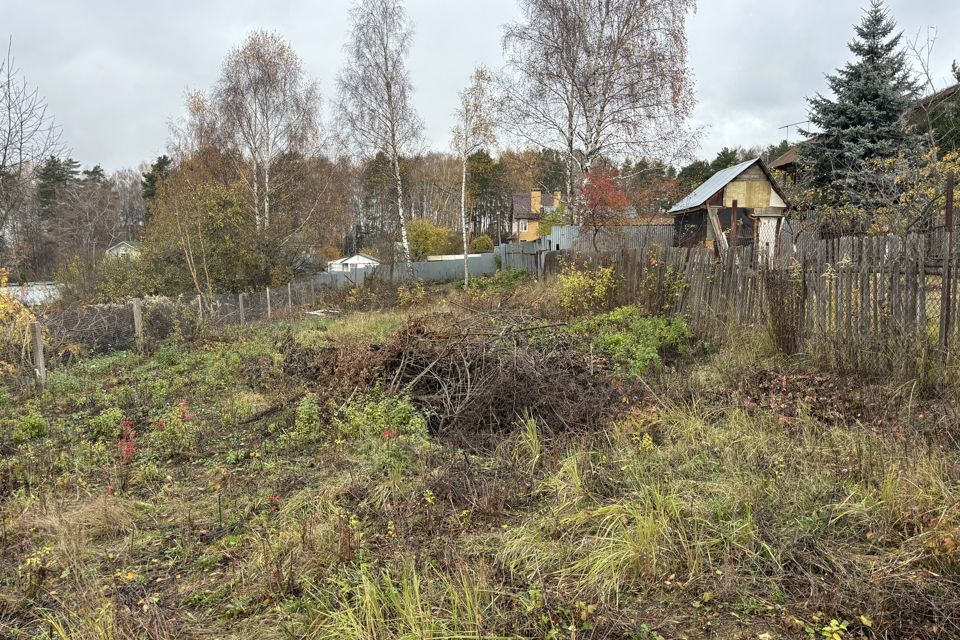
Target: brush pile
x,y
474,376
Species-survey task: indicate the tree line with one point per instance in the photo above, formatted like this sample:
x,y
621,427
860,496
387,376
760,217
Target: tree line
x,y
593,101
255,187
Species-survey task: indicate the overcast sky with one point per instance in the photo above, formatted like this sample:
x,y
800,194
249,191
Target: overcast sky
x,y
114,71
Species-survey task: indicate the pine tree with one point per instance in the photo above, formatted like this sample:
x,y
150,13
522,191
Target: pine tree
x,y
54,174
864,121
150,178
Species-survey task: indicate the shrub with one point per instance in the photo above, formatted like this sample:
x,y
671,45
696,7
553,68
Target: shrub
x,y
106,424
481,244
307,420
175,434
427,239
15,321
381,417
29,427
410,295
586,290
503,280
633,342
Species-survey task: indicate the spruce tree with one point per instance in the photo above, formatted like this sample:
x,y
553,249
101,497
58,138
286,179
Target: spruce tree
x,y
864,120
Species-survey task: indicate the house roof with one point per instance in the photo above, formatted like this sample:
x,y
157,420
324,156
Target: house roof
x,y
356,255
933,99
133,244
788,158
523,205
718,181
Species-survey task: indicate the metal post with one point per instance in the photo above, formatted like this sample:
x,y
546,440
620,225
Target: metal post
x,y
269,309
39,365
138,322
240,303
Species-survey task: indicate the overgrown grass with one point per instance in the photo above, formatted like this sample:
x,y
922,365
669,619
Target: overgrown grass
x,y
339,516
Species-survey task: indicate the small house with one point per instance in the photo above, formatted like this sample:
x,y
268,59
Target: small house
x,y
352,263
130,248
705,216
527,209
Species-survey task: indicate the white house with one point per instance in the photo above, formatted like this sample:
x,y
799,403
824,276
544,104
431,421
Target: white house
x,y
130,248
352,263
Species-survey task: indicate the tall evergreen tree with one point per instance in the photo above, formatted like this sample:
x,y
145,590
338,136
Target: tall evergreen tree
x,y
152,177
54,174
863,122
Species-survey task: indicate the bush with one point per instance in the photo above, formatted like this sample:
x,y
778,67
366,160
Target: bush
x,y
15,321
427,239
633,342
586,290
381,417
175,434
106,425
29,427
503,280
306,423
481,244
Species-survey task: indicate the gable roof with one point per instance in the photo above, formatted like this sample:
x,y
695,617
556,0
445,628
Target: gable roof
x,y
356,255
718,181
133,244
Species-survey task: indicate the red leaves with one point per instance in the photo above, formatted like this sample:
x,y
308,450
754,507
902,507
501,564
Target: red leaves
x,y
127,444
601,194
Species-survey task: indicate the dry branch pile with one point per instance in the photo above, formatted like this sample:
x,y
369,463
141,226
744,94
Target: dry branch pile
x,y
474,376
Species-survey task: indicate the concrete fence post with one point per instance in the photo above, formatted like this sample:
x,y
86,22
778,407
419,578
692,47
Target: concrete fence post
x,y
240,304
200,306
290,297
39,364
137,305
269,309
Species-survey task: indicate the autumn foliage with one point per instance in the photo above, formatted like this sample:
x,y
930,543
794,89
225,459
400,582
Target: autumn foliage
x,y
602,203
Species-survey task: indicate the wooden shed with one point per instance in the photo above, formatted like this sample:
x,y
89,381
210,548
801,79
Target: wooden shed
x,y
705,216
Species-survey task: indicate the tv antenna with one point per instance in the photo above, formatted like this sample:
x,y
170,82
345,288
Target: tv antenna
x,y
792,124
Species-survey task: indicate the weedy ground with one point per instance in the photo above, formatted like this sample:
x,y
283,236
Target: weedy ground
x,y
304,480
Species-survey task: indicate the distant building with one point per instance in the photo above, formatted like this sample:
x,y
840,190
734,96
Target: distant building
x,y
130,248
704,217
527,209
352,263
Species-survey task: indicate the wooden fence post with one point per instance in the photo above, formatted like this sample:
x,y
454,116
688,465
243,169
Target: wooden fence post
x,y
290,297
945,292
136,303
39,364
269,309
240,303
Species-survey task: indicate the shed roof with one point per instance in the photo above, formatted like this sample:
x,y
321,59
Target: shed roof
x,y
718,181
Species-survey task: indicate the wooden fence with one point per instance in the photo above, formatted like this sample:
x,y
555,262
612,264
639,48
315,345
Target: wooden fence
x,y
873,304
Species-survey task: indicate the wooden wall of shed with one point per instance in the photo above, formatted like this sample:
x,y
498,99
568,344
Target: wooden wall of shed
x,y
751,190
690,229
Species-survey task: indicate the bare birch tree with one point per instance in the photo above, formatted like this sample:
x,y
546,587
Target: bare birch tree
x,y
600,78
474,130
374,86
267,109
28,135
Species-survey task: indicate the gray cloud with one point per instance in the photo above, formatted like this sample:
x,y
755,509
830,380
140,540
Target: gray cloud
x,y
115,72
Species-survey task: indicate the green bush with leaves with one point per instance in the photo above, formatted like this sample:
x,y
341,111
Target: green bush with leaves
x,y
502,280
635,343
381,417
175,434
586,290
481,244
30,427
306,422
